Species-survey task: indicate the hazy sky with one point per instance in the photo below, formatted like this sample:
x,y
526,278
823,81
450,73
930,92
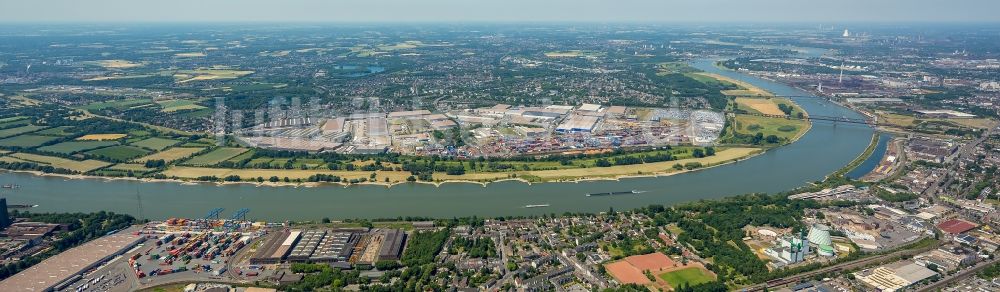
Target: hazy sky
x,y
499,10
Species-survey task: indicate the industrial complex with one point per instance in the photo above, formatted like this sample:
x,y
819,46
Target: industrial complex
x,y
500,130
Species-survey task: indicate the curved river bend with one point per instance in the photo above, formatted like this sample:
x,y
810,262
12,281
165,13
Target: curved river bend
x,y
824,149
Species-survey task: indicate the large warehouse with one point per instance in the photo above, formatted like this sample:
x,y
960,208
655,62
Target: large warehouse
x,y
65,268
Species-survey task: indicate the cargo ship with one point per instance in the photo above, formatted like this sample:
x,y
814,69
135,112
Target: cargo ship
x,y
615,193
20,206
536,206
11,186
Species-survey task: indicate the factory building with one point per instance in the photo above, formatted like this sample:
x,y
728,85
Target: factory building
x,y
819,235
276,249
789,250
895,276
578,123
392,245
318,246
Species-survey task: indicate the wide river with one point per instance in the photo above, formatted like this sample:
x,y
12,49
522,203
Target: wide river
x,y
824,149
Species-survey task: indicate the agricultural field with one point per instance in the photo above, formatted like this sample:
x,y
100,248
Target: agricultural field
x,y
120,152
156,143
19,130
216,156
687,276
26,141
57,131
135,167
58,162
71,147
174,105
171,154
101,137
14,122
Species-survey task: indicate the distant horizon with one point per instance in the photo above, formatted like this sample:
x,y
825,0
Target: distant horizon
x,y
497,11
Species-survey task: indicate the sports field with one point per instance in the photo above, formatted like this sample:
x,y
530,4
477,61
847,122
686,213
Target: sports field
x,y
71,147
171,154
120,152
215,156
58,162
690,276
155,143
26,141
19,130
101,137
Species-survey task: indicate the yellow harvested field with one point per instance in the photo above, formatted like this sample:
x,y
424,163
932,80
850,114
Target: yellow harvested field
x,y
747,88
58,162
9,159
185,76
117,64
101,137
171,154
762,105
189,55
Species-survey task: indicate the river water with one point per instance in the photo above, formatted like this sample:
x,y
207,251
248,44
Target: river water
x,y
824,149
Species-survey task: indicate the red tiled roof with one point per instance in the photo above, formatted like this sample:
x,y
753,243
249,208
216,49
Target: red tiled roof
x,y
954,226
